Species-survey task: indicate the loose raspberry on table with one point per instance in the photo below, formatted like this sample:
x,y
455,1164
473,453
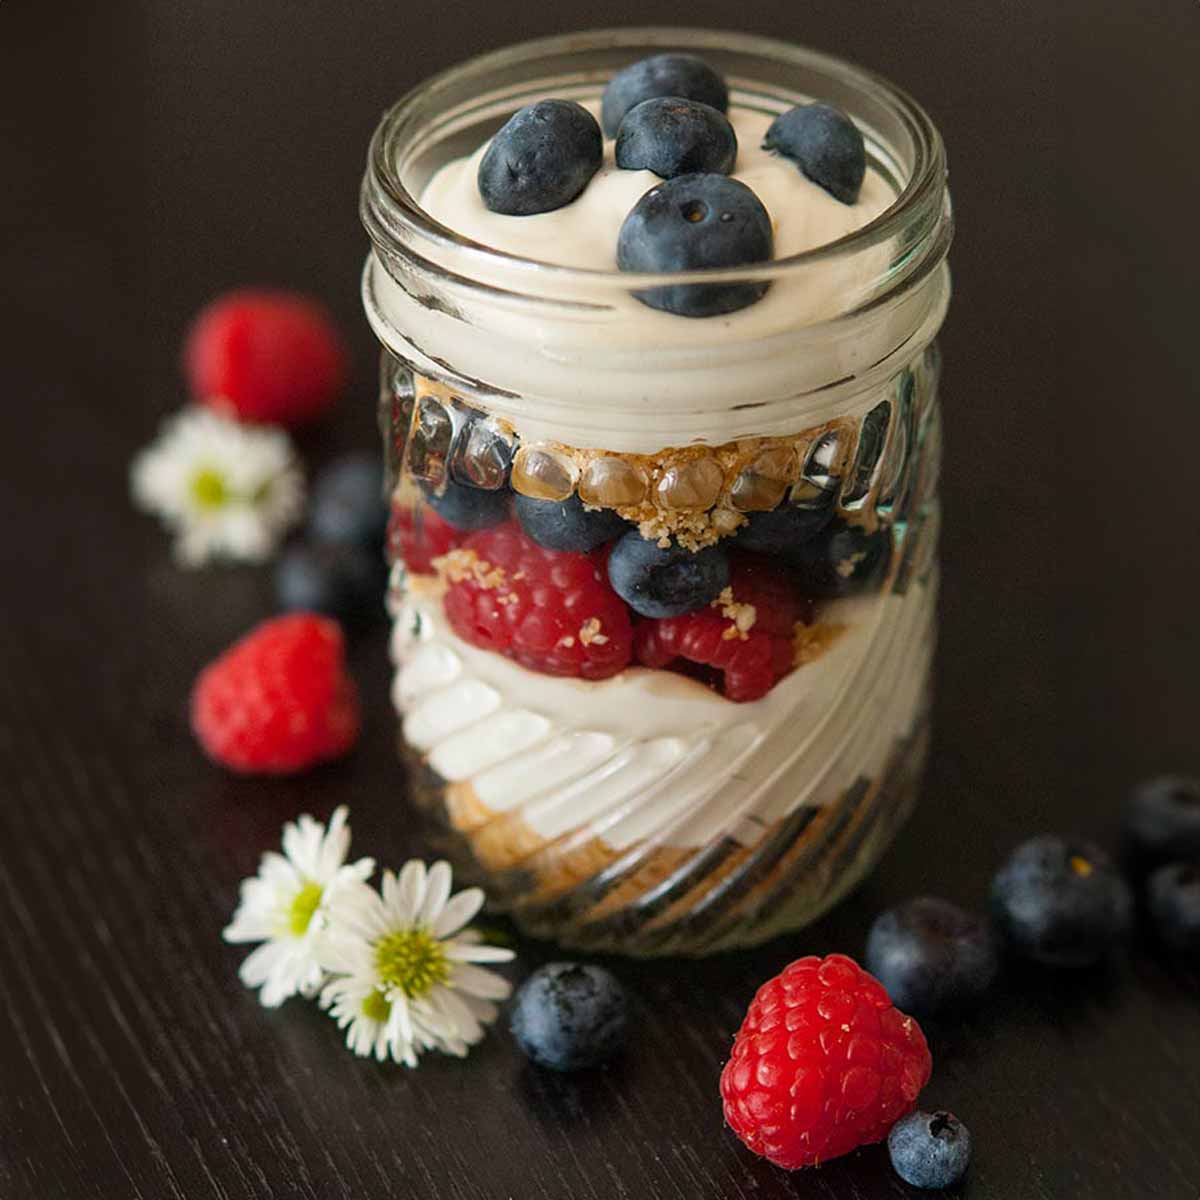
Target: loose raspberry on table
x,y
550,610
746,633
822,1064
279,700
416,536
265,356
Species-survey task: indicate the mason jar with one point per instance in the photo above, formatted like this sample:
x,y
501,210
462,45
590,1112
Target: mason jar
x,y
619,783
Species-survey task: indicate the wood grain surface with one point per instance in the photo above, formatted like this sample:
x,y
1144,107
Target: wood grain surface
x,y
153,155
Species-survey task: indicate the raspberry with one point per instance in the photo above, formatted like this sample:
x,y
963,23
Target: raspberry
x,y
417,541
550,610
269,357
751,660
278,700
822,1064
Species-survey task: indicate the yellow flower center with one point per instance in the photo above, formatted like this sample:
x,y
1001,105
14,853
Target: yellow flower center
x,y
377,1007
208,488
304,904
412,960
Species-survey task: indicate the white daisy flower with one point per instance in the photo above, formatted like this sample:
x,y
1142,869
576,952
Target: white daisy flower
x,y
288,903
406,978
224,489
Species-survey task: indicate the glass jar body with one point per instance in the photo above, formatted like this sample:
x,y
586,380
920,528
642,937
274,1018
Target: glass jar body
x,y
621,780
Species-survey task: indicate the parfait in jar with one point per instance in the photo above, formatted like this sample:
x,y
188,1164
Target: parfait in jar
x,y
659,399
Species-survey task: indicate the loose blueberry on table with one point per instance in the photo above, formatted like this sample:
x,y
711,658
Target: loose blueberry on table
x,y
339,579
1173,903
930,1150
932,956
347,502
1162,820
1061,902
567,1016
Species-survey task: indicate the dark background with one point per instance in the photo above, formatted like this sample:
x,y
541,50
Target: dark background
x,y
150,157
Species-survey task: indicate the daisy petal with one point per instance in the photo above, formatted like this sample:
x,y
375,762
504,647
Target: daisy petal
x,y
437,892
409,893
478,982
458,911
458,951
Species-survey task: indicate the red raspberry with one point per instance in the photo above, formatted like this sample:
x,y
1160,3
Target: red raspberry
x,y
269,357
417,542
822,1064
752,661
278,700
550,610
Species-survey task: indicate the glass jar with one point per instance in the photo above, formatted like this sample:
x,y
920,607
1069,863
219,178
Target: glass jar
x,y
619,782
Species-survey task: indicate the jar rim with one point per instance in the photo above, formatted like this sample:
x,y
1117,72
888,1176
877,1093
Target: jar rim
x,y
397,223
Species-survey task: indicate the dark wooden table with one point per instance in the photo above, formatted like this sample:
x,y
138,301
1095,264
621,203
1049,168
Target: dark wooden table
x,y
152,156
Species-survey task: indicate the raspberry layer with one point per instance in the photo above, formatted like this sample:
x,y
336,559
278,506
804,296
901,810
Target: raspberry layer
x,y
651,754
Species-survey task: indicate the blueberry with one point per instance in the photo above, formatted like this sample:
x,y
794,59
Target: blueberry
x,y
569,1015
670,137
825,144
665,583
785,529
1060,902
930,1150
467,507
1162,820
541,159
339,579
696,221
347,501
681,75
567,525
1173,901
931,955
841,560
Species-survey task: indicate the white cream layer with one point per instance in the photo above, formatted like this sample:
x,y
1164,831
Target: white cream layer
x,y
652,754
584,232
606,370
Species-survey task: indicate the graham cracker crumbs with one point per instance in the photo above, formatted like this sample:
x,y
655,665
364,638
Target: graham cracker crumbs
x,y
809,642
461,563
743,616
589,633
693,531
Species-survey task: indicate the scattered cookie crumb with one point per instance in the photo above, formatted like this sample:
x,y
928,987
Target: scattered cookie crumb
x,y
743,616
461,563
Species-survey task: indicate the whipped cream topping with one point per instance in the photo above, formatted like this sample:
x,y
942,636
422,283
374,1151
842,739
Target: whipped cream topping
x,y
652,753
601,369
584,233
